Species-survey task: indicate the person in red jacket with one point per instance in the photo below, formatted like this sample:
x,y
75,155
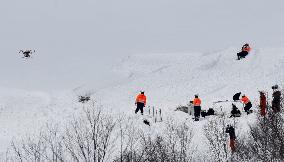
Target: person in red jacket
x,y
262,104
245,51
140,102
245,100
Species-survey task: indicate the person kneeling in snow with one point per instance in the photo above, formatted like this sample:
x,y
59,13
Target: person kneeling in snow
x,y
245,51
140,102
245,100
235,111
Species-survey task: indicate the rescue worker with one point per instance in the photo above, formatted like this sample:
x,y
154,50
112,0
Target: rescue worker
x,y
235,111
262,103
197,107
276,99
245,100
236,97
245,51
140,102
231,131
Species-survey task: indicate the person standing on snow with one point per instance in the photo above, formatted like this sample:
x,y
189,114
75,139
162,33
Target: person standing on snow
x,y
197,107
245,51
245,100
276,99
231,131
140,102
262,103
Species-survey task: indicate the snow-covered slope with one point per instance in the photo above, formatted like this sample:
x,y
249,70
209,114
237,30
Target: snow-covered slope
x,y
25,112
172,79
168,80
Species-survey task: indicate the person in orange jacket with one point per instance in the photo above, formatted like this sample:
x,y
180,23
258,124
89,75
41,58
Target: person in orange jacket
x,y
245,51
140,102
245,100
197,107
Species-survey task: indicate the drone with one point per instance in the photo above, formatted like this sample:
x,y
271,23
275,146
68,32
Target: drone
x,y
27,53
84,99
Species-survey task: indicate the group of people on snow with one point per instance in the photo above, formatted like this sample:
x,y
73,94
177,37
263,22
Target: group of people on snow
x,y
141,99
235,111
196,102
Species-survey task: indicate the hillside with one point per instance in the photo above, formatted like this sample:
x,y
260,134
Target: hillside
x,y
168,80
172,79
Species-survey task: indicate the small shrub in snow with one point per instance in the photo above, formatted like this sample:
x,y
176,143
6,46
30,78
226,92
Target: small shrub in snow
x,y
173,144
88,138
217,138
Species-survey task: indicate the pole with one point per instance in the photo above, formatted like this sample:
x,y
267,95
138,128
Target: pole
x,y
156,116
161,114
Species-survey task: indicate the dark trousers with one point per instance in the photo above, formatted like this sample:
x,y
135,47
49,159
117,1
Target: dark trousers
x,y
276,105
242,54
140,107
247,106
197,110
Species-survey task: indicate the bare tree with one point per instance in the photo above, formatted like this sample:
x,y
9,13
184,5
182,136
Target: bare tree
x,y
88,138
266,138
217,138
266,141
172,144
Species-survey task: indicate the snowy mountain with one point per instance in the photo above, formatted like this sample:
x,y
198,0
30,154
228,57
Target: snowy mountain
x,y
168,80
113,49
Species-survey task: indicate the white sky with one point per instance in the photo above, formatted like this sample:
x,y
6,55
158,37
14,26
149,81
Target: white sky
x,y
77,40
